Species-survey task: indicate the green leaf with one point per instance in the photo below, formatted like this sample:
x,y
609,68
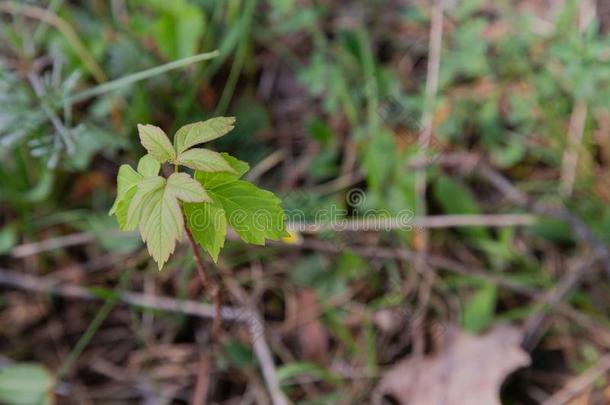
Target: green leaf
x,y
161,224
204,160
215,179
148,166
127,182
178,27
455,198
156,143
253,213
208,221
208,224
480,309
8,238
144,189
203,131
215,198
25,384
239,166
298,369
156,209
185,188
122,209
238,354
126,179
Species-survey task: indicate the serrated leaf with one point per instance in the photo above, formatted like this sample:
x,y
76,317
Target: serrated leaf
x,y
185,188
144,190
127,181
148,166
253,213
239,166
203,131
156,143
123,209
215,179
153,203
208,224
161,224
204,160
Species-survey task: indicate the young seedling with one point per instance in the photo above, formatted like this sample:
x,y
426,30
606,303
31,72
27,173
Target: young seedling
x,y
201,205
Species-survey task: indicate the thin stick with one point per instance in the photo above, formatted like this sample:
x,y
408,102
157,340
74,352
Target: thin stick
x,y
265,165
434,60
34,248
50,286
73,239
408,222
435,221
570,156
261,349
263,354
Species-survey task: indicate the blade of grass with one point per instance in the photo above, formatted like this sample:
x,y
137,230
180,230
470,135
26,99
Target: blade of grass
x,y
227,47
370,77
142,75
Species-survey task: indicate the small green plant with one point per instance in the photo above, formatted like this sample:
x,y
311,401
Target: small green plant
x,y
203,205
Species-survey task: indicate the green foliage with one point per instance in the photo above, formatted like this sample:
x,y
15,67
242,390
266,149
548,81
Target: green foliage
x,y
208,223
177,28
200,132
25,384
479,310
214,198
455,199
156,143
254,214
297,369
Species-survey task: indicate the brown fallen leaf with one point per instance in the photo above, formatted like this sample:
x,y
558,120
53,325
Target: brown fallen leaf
x,y
467,370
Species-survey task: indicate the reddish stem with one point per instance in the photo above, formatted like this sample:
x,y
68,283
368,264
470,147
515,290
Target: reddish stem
x,y
207,283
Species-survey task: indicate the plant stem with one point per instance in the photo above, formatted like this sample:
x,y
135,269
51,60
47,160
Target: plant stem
x,y
208,284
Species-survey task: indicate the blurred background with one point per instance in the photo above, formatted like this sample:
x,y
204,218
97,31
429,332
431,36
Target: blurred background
x,y
464,146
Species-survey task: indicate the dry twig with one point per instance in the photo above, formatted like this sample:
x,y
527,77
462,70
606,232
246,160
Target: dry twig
x,y
569,162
